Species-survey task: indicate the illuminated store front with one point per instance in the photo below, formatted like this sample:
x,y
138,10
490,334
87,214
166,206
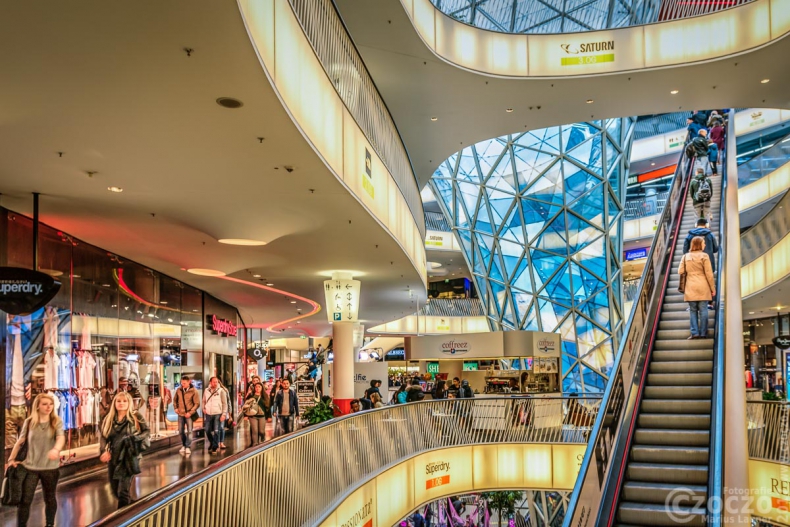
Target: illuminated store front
x,y
112,322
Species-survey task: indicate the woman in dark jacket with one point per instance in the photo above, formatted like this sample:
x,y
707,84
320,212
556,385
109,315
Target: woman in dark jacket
x,y
124,436
258,420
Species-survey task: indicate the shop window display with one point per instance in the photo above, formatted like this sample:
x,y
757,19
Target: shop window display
x,y
113,325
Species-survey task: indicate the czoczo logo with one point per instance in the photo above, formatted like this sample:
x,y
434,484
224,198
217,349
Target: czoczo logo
x,y
680,501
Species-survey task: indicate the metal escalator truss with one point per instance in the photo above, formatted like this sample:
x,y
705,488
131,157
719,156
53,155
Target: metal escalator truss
x,y
598,489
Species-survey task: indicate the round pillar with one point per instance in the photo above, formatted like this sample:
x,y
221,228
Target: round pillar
x,y
343,364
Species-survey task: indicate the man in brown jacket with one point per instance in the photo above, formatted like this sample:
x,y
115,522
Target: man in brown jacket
x,y
186,402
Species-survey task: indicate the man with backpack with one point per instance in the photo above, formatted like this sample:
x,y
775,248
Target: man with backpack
x,y
697,150
711,247
701,193
465,391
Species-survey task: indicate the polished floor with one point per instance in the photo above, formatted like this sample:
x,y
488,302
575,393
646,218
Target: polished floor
x,y
81,502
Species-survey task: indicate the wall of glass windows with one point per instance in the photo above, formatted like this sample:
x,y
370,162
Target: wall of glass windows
x,y
113,325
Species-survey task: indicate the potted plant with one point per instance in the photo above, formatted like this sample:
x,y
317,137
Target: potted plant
x,y
324,410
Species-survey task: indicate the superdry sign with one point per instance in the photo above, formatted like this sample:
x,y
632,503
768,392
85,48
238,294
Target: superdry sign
x,y
23,291
221,327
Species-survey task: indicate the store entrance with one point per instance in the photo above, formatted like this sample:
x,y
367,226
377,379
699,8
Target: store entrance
x,y
223,369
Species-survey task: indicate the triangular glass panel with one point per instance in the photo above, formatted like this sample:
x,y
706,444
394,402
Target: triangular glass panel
x,y
559,285
568,333
482,219
575,134
578,181
615,178
593,382
496,266
500,293
469,195
480,263
486,245
521,279
465,237
593,258
588,335
613,210
461,219
544,265
614,128
521,301
467,167
536,215
549,186
511,253
443,191
500,204
585,284
597,309
551,314
488,153
611,153
590,206
580,233
530,164
554,236
530,322
508,316
545,139
572,383
512,228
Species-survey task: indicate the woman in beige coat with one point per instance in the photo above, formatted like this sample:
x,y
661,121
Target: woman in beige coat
x,y
700,287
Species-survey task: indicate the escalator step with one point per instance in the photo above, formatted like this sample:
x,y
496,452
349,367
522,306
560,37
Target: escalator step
x,y
670,454
657,406
675,421
689,366
677,392
651,514
668,473
679,379
653,436
644,492
679,355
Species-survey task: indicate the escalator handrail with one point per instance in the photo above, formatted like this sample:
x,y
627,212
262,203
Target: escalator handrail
x,y
665,268
716,446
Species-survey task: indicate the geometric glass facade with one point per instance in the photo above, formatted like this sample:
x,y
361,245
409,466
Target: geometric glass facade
x,y
550,16
539,217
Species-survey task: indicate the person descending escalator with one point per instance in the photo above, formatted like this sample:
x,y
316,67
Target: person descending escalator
x,y
697,286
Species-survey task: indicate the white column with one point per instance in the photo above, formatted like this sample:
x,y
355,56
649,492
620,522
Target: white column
x,y
343,364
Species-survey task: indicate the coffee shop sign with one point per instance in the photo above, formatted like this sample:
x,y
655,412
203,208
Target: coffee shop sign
x,y
452,347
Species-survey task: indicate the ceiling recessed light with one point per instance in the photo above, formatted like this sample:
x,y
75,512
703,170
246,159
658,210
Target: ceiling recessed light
x,y
509,110
163,302
765,81
751,312
653,164
269,284
293,301
590,101
434,119
115,189
229,102
241,241
206,272
256,276
675,92
194,310
151,315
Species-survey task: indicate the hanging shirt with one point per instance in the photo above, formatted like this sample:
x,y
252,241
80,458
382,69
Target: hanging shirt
x,y
51,368
51,322
85,341
99,373
18,371
97,408
64,371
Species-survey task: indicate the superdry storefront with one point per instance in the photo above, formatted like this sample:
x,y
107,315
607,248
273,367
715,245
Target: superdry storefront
x,y
111,322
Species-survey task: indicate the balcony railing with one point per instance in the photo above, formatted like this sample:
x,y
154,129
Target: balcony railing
x,y
435,221
457,307
306,474
768,430
643,207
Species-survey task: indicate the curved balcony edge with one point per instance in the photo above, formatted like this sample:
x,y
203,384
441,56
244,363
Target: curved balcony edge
x,y
593,53
307,94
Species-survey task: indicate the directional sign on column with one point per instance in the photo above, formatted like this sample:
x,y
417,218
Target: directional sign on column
x,y
342,300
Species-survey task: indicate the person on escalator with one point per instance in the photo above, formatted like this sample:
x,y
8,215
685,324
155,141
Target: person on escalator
x,y
697,150
711,247
697,286
701,194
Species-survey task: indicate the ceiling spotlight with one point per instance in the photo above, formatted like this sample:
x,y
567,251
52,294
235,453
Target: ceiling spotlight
x,y
653,164
434,119
269,284
163,302
509,110
765,81
751,312
293,301
590,101
256,276
675,92
229,102
115,189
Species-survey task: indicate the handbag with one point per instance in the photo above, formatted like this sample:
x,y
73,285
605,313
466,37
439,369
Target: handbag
x,y
683,276
251,408
11,492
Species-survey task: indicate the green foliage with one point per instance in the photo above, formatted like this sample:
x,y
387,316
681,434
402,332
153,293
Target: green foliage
x,y
504,502
322,411
770,396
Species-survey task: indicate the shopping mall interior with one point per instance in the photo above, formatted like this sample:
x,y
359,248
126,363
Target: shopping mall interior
x,y
414,263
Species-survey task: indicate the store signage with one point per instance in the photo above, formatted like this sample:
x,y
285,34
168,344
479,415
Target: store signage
x,y
432,367
588,53
453,347
367,176
342,300
770,489
255,353
305,393
438,240
782,342
220,326
23,291
470,366
636,254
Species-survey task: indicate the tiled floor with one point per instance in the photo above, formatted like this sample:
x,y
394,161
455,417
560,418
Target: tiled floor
x,y
87,500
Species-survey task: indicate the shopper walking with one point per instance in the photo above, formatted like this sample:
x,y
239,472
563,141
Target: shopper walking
x,y
701,193
42,434
254,410
711,247
697,286
124,436
215,411
186,403
229,421
287,405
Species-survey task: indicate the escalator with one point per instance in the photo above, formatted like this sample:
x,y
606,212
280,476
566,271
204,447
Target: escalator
x,y
670,445
655,452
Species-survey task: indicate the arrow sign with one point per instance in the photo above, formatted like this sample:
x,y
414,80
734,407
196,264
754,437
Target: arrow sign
x,y
342,299
348,316
337,296
349,286
349,296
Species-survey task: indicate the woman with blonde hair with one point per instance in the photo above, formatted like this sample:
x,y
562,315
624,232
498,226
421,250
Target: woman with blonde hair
x,y
43,434
124,436
697,286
